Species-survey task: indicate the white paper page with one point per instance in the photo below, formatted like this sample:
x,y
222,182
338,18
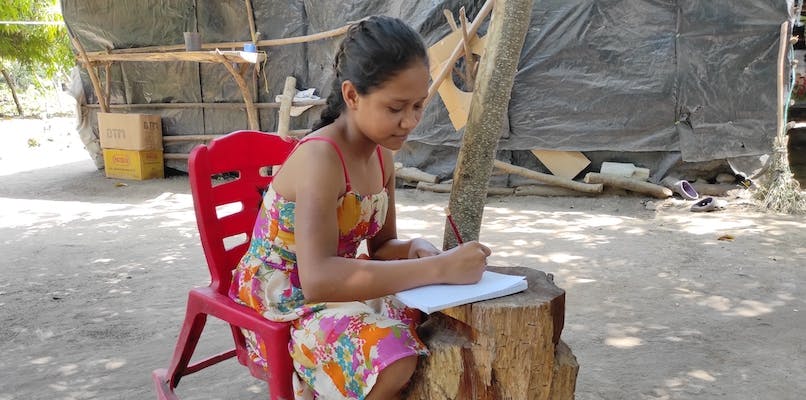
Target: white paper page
x,y
438,297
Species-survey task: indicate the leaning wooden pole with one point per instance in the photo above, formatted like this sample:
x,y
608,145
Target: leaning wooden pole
x,y
783,192
488,110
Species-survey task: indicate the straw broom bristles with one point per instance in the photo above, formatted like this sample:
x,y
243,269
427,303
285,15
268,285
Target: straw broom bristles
x,y
783,193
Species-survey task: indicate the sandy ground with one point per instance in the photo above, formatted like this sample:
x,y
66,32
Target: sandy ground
x,y
95,276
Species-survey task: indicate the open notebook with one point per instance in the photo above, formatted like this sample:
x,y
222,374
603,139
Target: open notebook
x,y
439,297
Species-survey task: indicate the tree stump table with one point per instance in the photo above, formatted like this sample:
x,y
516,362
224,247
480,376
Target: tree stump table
x,y
504,348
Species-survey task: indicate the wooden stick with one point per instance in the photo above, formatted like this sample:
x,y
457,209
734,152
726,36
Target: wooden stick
x,y
96,83
449,17
284,115
548,191
470,75
175,156
193,56
547,178
208,105
457,52
108,79
226,45
630,184
412,174
251,18
204,138
251,111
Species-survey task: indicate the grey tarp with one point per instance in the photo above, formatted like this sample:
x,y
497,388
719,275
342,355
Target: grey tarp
x,y
695,77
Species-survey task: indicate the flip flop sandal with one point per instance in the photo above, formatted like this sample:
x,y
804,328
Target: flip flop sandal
x,y
704,205
681,187
685,190
709,204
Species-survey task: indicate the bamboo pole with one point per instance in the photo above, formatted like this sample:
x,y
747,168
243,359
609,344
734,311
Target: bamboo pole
x,y
458,51
251,111
226,45
633,185
96,83
548,178
208,105
193,56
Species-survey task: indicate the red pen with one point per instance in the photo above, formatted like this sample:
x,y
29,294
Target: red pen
x,y
453,226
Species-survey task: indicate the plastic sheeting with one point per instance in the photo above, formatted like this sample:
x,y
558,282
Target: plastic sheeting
x,y
696,77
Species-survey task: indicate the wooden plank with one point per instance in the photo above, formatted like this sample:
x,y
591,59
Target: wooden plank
x,y
566,164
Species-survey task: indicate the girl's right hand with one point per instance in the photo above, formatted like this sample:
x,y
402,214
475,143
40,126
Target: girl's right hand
x,y
465,263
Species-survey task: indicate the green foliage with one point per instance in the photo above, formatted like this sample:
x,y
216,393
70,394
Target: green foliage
x,y
40,50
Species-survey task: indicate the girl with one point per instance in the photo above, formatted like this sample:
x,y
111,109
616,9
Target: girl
x,y
349,338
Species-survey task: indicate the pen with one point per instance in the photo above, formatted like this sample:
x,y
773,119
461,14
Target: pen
x,y
453,226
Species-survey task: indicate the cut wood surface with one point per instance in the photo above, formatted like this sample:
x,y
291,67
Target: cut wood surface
x,y
548,178
565,164
633,185
504,348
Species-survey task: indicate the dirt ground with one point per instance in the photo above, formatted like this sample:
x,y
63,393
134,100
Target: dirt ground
x,y
95,277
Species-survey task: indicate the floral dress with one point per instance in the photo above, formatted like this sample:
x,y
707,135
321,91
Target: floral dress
x,y
338,349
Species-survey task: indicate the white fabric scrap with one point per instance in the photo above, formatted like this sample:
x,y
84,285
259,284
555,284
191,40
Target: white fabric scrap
x,y
301,95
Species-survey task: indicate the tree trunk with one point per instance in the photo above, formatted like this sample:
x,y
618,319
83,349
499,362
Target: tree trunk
x,y
488,110
13,91
504,348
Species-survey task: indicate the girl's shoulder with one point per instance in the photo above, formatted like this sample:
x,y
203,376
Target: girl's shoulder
x,y
312,164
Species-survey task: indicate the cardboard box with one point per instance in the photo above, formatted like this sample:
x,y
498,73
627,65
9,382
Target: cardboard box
x,y
133,164
130,131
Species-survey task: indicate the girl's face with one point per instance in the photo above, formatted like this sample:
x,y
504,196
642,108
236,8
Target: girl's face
x,y
389,112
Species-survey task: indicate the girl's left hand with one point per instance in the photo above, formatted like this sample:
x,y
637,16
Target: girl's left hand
x,y
420,248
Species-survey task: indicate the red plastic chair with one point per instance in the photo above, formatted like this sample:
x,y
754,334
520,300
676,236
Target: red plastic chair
x,y
247,153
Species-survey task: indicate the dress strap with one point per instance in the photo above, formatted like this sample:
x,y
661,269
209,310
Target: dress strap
x,y
383,174
338,151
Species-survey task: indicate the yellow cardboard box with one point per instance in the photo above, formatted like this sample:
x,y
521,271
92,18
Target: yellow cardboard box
x,y
130,131
133,164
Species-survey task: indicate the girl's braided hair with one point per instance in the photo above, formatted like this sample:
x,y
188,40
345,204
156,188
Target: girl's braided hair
x,y
373,51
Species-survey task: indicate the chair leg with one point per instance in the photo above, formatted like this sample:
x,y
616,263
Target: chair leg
x,y
279,374
164,391
192,328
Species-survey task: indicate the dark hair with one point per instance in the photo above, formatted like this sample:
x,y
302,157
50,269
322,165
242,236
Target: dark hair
x,y
374,50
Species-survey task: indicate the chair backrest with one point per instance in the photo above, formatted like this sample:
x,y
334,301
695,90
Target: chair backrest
x,y
228,177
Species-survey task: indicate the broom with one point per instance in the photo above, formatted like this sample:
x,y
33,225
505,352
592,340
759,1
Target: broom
x,y
782,193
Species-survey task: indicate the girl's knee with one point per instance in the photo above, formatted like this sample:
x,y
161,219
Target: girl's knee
x,y
398,373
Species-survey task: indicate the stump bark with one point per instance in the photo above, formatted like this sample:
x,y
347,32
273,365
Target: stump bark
x,y
504,348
